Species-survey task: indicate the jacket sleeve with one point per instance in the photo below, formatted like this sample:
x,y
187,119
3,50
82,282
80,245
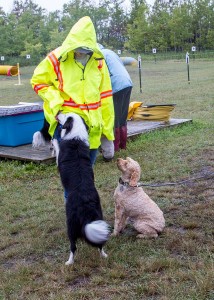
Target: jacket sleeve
x,y
43,84
107,104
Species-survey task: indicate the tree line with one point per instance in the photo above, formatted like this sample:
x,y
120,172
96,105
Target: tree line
x,y
167,25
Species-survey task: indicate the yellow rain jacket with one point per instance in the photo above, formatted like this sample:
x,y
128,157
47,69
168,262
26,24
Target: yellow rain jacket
x,y
66,85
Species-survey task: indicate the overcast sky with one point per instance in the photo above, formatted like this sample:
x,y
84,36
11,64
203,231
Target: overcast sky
x,y
50,5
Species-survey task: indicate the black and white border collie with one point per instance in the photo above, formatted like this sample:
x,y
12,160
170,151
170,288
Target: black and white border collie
x,y
83,209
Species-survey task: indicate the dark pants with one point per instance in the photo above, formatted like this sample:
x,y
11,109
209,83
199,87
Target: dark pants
x,y
121,106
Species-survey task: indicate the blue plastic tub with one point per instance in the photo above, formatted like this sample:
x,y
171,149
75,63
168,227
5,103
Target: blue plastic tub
x,y
18,128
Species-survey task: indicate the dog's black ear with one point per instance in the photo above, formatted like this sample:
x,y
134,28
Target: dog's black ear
x,y
86,126
68,125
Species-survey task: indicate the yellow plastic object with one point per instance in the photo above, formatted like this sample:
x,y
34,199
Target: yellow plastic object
x,y
132,107
129,61
153,112
9,70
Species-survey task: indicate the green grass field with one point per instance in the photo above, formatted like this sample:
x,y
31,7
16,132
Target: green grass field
x,y
179,265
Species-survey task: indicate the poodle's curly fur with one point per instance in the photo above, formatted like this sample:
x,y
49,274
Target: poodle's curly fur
x,y
134,205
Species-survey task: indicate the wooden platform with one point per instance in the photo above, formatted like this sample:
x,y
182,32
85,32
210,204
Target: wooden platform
x,y
135,128
139,127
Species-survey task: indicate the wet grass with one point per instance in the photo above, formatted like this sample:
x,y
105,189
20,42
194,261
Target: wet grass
x,y
179,265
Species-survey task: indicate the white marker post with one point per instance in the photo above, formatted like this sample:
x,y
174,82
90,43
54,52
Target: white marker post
x,y
139,67
154,51
19,78
187,61
193,51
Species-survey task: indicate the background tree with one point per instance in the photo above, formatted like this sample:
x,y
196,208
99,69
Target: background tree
x,y
202,18
100,18
73,11
167,25
5,29
180,27
24,26
117,25
54,33
158,25
138,29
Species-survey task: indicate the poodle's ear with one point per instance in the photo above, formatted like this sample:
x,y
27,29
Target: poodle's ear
x,y
134,179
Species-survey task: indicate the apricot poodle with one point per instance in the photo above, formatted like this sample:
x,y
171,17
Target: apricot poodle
x,y
133,205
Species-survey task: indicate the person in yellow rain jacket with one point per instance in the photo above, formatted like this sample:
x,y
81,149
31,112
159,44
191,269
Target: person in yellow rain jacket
x,y
75,78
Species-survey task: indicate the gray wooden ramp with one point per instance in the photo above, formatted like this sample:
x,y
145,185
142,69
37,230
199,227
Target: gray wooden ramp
x,y
27,153
139,127
44,155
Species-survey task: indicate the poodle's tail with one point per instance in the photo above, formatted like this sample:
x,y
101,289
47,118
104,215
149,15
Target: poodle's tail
x,y
97,232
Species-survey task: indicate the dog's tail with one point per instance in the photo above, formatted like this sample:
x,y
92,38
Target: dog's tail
x,y
38,140
41,137
97,232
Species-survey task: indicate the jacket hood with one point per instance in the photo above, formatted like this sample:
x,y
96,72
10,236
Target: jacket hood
x,y
81,35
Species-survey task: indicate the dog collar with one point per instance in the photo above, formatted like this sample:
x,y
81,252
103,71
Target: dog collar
x,y
125,183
